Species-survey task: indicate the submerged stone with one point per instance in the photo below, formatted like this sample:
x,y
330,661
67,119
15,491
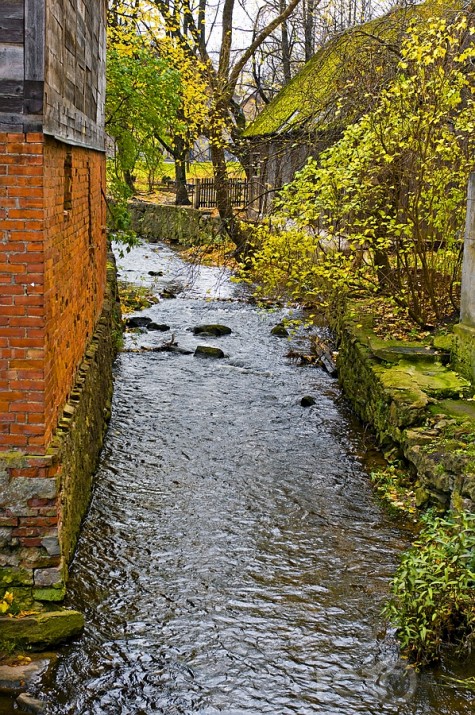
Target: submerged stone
x,y
162,327
22,672
28,704
215,329
139,321
279,331
41,630
206,351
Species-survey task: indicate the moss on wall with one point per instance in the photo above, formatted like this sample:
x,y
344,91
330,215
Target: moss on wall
x,y
182,224
421,406
81,431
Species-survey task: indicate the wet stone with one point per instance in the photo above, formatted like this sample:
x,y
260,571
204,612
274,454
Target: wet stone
x,y
280,331
140,321
307,401
28,704
155,274
216,330
167,294
206,351
162,327
24,672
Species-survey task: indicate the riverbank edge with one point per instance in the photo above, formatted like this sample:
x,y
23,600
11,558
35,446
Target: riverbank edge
x,y
418,406
71,460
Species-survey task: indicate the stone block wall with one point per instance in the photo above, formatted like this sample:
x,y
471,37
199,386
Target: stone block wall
x,y
183,224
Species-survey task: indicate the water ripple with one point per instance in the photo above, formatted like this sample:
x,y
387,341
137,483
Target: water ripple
x,y
233,560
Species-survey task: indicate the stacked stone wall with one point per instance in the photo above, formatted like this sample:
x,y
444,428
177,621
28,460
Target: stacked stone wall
x,y
183,224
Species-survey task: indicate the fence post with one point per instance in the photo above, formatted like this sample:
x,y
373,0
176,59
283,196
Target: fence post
x,y
197,196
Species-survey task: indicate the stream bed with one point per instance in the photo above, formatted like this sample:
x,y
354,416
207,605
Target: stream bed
x,y
234,559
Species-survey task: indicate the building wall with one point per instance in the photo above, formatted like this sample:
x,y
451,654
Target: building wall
x,y
22,48
75,265
56,352
56,327
75,71
52,69
52,279
22,314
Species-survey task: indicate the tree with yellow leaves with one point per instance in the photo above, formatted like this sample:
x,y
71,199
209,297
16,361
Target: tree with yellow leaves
x,y
156,99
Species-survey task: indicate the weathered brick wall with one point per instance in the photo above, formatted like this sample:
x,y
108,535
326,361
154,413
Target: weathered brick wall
x,y
52,278
52,286
75,266
22,319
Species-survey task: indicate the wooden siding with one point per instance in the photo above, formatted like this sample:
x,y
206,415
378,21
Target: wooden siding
x,y
21,65
52,69
75,71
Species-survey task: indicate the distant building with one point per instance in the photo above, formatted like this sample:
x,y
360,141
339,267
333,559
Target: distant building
x,y
302,120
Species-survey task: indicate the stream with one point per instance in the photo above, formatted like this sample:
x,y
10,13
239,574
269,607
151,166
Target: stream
x,y
234,559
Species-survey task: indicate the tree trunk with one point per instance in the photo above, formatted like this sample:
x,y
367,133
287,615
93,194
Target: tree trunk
x,y
309,29
285,45
225,209
181,196
129,179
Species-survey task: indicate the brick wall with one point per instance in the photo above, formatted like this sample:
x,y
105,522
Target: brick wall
x,y
55,354
52,278
75,265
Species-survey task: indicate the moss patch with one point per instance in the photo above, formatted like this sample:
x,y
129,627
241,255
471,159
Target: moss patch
x,y
40,631
421,407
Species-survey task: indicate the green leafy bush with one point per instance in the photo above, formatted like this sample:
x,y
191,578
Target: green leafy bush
x,y
433,595
382,210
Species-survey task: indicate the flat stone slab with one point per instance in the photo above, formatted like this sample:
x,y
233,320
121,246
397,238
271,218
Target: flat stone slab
x,y
393,352
216,329
21,674
41,630
456,408
434,380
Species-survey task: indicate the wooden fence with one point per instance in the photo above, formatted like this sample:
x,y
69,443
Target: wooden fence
x,y
202,192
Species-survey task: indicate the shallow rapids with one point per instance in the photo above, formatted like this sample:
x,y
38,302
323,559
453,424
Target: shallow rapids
x,y
234,559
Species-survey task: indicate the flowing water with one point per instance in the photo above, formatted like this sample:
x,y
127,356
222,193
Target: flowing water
x,y
234,559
